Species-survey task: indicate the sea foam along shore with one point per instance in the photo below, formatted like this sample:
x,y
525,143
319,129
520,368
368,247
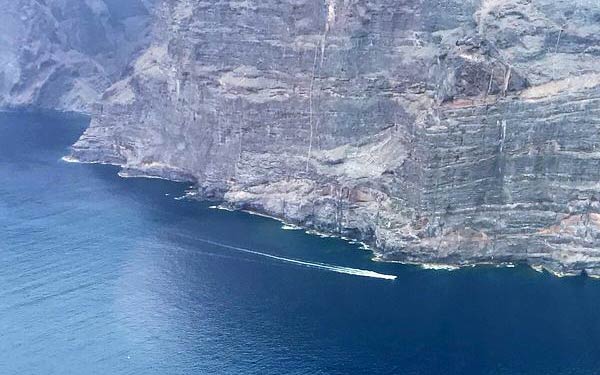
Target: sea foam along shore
x,y
364,246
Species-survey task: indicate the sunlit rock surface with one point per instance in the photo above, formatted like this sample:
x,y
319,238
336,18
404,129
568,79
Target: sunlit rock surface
x,y
437,131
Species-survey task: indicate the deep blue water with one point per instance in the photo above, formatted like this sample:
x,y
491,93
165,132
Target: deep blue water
x,y
103,275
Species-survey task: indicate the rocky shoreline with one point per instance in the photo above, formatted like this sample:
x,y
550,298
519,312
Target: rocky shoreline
x,y
448,132
192,194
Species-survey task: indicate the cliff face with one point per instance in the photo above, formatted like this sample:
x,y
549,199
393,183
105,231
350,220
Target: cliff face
x,y
438,131
62,54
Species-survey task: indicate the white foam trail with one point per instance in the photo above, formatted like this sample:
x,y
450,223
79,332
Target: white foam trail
x,y
125,174
261,215
290,227
188,195
537,268
321,266
221,207
319,234
70,159
439,267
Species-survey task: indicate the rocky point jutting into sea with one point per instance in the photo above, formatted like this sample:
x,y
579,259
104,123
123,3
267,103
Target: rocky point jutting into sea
x,y
452,131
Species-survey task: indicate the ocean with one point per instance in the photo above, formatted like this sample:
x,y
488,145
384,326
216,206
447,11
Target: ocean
x,y
105,275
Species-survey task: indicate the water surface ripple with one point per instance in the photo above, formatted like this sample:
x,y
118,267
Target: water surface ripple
x,y
104,275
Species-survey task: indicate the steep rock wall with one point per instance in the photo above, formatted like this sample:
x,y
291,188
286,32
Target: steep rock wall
x,y
438,131
62,54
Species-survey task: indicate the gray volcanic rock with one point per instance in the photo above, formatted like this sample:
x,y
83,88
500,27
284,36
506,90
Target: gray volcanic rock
x,y
62,54
438,131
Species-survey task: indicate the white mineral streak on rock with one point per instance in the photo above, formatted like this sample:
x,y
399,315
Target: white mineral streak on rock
x,y
330,14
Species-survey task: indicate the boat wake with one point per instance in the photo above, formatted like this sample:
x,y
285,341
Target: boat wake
x,y
320,266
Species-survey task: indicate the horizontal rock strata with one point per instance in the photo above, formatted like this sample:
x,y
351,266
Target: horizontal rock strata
x,y
437,131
